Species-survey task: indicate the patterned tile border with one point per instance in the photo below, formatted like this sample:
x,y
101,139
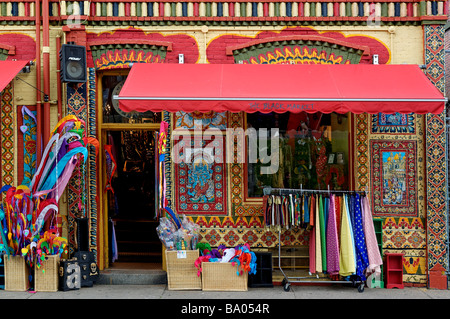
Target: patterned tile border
x,y
437,210
7,138
76,191
92,203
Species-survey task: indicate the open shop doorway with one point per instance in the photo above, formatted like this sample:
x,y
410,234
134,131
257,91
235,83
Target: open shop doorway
x,y
132,196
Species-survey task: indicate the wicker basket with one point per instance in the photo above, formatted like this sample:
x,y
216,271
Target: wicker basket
x,y
181,272
16,273
218,276
46,276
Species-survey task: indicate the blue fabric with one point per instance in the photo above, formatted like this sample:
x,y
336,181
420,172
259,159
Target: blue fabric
x,y
173,216
56,173
362,258
306,209
5,188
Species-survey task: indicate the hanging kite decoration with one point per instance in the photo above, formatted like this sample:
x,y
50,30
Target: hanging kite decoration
x,y
28,213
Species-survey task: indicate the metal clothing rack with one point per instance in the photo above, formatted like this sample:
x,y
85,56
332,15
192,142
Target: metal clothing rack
x,y
286,283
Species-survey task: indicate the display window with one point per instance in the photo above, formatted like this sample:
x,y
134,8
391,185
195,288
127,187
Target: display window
x,y
297,150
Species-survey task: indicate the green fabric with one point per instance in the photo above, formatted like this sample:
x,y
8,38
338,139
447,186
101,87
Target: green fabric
x,y
323,243
202,247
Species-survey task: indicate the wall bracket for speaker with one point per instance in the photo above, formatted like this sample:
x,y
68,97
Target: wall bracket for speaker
x,y
46,98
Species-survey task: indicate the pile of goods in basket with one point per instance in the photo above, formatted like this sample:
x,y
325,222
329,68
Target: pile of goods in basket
x,y
176,234
239,255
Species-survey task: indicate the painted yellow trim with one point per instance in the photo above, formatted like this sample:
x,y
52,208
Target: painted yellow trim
x,y
130,126
102,217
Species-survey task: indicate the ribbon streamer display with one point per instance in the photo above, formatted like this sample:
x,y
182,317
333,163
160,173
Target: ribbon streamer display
x,y
111,167
162,145
28,213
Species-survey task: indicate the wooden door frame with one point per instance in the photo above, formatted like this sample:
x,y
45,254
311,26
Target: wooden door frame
x,y
102,128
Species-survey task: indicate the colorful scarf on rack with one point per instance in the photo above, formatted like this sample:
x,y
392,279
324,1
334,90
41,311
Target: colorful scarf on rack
x,y
318,238
347,258
362,260
349,206
323,238
306,209
373,252
332,239
340,232
312,211
312,251
337,210
312,237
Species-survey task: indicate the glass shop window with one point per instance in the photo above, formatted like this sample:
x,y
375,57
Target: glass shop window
x,y
307,150
112,84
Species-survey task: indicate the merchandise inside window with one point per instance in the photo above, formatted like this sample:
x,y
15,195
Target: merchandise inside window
x,y
312,151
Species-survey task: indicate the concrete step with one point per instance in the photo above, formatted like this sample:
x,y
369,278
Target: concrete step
x,y
137,240
129,256
111,276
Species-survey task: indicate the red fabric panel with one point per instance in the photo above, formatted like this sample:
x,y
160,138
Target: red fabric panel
x,y
357,88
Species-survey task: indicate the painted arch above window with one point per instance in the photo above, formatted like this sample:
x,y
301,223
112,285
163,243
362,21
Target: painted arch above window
x,y
300,49
119,54
297,45
119,48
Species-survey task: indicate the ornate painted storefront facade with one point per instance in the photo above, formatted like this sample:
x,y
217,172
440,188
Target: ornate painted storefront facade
x,y
119,33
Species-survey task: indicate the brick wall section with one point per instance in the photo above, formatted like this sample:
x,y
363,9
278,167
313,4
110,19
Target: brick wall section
x,y
24,45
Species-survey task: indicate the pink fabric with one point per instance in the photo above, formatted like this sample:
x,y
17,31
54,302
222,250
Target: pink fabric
x,y
373,252
332,240
58,190
312,238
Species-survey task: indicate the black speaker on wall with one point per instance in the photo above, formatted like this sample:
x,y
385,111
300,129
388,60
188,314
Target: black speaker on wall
x,y
73,63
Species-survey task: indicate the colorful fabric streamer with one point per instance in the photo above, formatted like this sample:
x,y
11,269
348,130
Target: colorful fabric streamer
x,y
111,167
162,146
172,216
28,212
49,244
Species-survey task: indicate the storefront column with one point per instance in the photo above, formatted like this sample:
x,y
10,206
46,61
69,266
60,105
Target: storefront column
x,y
437,209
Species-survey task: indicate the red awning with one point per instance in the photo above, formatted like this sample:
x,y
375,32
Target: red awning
x,y
9,69
357,88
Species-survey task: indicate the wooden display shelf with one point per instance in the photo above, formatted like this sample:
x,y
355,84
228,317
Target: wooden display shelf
x,y
394,270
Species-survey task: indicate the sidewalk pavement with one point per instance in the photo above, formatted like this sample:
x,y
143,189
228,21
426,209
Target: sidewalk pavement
x,y
159,292
157,300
